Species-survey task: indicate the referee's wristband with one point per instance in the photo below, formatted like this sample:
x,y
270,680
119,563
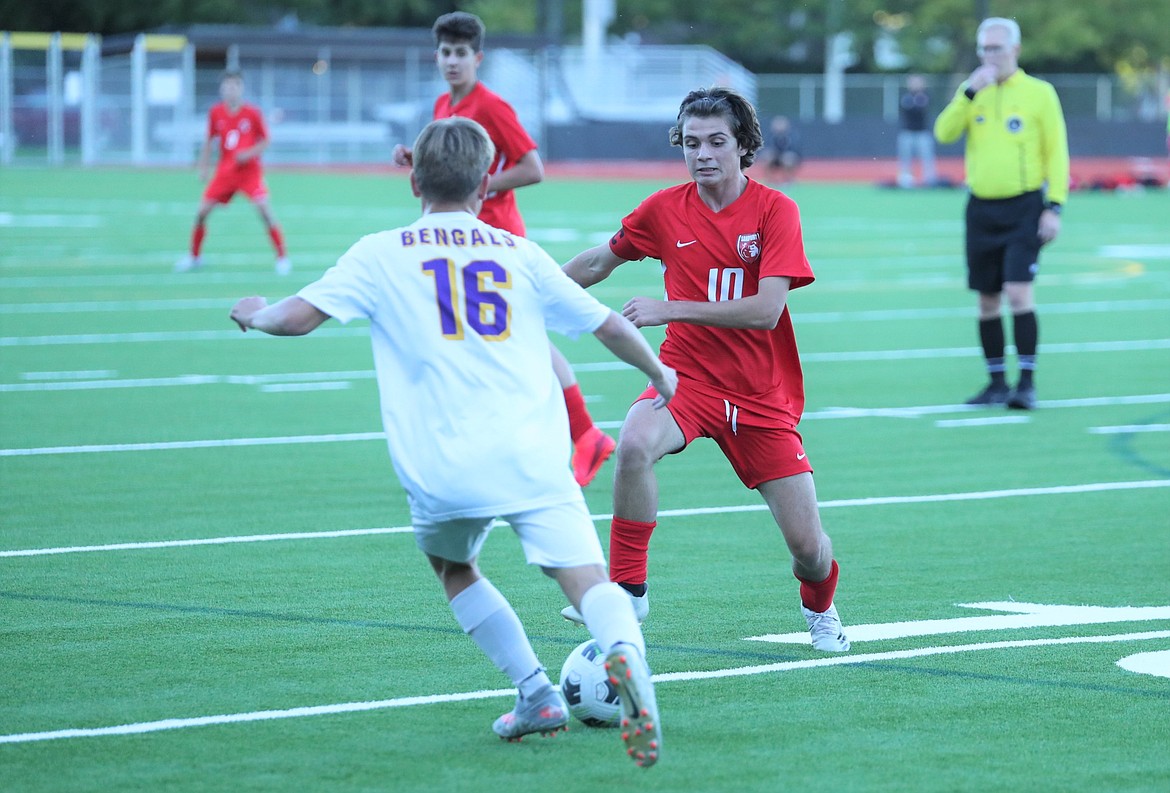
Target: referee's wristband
x,y
1053,207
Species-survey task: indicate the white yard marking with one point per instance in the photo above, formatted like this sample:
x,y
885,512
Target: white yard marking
x,y
139,546
80,374
1134,251
1019,615
600,518
669,677
210,444
1155,663
982,422
1126,429
12,220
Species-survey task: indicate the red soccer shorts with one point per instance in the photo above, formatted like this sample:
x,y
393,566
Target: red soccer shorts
x,y
228,182
759,448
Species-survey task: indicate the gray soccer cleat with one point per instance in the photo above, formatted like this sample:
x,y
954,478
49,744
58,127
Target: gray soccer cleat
x,y
641,731
546,713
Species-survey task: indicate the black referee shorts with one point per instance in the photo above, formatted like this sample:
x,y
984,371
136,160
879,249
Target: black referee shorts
x,y
1002,241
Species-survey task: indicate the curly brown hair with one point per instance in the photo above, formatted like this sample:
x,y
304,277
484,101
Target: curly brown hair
x,y
729,105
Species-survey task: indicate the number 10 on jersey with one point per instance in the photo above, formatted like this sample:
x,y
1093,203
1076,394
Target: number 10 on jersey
x,y
485,309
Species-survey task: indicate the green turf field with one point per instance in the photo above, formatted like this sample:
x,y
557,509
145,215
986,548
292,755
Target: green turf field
x,y
193,596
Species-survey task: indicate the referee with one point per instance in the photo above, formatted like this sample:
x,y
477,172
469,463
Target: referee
x,y
1017,171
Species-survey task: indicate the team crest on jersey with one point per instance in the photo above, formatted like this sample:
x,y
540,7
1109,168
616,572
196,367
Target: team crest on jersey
x,y
1015,124
748,246
245,125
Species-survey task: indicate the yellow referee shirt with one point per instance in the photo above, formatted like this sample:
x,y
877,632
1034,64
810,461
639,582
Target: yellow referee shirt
x,y
1016,139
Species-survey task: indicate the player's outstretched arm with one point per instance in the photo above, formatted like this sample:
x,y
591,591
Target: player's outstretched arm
x,y
592,266
622,339
293,316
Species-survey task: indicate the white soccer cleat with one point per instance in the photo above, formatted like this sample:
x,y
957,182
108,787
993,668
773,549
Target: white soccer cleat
x,y
283,266
641,732
188,263
825,627
641,610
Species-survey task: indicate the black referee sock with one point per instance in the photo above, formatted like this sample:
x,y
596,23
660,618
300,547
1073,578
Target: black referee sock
x,y
1027,334
992,338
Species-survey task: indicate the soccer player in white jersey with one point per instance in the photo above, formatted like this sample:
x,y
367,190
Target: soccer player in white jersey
x,y
474,416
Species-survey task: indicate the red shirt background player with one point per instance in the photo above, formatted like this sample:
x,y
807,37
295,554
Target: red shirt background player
x,y
458,54
731,250
242,136
513,145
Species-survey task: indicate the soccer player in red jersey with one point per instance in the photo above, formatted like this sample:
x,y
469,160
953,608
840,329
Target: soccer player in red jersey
x,y
459,53
731,250
242,135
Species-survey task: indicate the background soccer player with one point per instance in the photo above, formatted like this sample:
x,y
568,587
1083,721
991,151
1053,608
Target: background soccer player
x,y
459,313
242,136
459,53
731,249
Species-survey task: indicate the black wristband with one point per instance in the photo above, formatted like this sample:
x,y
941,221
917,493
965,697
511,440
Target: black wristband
x,y
1052,206
969,92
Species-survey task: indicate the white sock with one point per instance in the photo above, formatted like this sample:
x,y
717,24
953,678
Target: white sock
x,y
609,616
487,617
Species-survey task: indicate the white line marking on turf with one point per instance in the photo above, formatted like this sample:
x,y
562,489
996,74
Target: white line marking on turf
x,y
669,677
1125,429
982,422
81,374
1020,615
327,385
672,513
160,336
191,380
137,546
1156,663
1134,251
170,445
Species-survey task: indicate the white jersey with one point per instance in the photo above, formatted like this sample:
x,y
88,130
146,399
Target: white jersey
x,y
459,312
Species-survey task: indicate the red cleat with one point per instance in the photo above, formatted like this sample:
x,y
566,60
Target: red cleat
x,y
590,451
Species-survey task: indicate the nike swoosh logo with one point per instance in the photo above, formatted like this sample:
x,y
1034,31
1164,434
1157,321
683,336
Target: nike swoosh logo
x,y
801,456
681,244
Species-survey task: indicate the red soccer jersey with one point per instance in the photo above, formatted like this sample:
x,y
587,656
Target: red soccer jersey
x,y
239,130
709,256
511,141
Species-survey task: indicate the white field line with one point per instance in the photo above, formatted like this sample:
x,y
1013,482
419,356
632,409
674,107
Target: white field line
x,y
982,422
206,444
669,677
1126,429
1094,487
826,413
882,315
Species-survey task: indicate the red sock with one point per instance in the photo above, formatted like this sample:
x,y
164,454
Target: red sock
x,y
818,595
197,239
277,239
629,545
579,419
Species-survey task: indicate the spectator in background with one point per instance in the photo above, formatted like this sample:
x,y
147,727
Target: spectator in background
x,y
782,151
915,137
458,54
1018,173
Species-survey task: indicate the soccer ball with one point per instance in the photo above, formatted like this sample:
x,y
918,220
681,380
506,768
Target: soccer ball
x,y
585,684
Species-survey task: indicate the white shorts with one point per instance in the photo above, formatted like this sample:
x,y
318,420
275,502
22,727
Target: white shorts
x,y
561,535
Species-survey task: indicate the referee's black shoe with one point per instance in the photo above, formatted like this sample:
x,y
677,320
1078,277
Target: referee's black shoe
x,y
1022,398
994,394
